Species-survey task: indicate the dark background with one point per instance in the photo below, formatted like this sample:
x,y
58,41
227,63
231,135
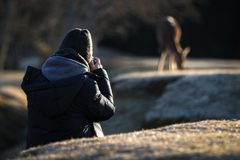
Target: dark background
x,y
35,28
217,35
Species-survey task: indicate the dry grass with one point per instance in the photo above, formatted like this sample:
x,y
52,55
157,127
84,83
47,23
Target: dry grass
x,y
201,140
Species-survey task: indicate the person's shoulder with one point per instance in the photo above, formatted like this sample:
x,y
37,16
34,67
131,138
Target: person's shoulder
x,y
33,75
89,88
32,71
90,82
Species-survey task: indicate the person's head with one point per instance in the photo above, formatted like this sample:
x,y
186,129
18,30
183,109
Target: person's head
x,y
80,40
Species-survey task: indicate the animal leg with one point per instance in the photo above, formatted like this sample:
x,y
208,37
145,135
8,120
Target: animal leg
x,y
161,61
172,63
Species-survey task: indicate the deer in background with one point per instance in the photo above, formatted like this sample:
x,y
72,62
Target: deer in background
x,y
168,36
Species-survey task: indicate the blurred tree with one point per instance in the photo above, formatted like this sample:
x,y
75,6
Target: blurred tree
x,y
123,14
5,32
23,25
42,24
131,24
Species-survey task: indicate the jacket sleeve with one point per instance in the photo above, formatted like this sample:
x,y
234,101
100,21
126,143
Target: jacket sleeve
x,y
104,84
98,98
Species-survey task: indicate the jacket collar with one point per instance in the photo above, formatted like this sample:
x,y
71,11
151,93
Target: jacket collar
x,y
58,67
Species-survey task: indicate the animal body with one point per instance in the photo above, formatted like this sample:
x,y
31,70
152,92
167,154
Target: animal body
x,y
168,36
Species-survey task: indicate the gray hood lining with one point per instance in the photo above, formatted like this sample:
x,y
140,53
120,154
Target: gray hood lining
x,y
58,67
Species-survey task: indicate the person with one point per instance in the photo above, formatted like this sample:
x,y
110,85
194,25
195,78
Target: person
x,y
69,95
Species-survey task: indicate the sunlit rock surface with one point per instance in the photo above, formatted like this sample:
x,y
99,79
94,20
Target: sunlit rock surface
x,y
153,99
13,113
194,98
13,116
202,140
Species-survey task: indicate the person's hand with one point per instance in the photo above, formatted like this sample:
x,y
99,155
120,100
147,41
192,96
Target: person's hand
x,y
96,65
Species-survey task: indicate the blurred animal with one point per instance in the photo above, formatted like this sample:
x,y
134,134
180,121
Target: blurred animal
x,y
168,37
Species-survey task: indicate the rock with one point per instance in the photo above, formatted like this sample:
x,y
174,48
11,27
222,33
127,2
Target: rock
x,y
202,140
194,98
133,98
153,99
13,116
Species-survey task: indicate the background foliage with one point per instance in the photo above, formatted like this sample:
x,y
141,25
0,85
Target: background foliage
x,y
30,27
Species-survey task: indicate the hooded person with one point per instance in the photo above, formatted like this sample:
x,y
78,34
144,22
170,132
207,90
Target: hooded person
x,y
69,95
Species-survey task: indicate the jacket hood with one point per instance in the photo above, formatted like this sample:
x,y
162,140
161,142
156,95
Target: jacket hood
x,y
50,98
58,67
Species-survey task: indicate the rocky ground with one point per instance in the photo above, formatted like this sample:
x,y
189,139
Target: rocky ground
x,y
13,115
152,99
210,139
138,95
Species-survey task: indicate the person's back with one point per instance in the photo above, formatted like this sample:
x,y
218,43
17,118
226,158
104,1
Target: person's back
x,y
65,100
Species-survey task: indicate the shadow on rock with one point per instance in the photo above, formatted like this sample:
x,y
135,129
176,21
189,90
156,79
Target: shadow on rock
x,y
146,101
13,117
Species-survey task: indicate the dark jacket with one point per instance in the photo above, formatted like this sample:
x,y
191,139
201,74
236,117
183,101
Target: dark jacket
x,y
66,108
